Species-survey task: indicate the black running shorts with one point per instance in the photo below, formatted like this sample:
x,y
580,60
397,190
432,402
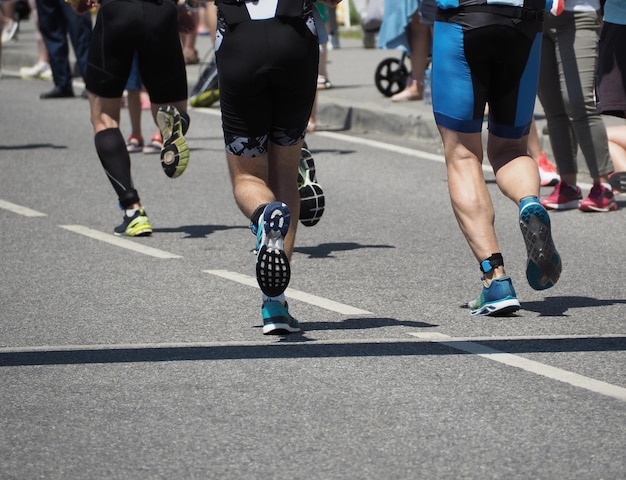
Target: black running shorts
x,y
267,79
148,27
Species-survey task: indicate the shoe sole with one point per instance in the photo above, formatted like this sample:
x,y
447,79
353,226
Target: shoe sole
x,y
311,216
272,266
589,208
571,205
309,189
543,267
175,151
143,231
499,308
279,328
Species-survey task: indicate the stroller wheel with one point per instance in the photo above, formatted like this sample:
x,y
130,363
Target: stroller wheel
x,y
391,76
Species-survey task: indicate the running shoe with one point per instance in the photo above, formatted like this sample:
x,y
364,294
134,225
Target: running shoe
x,y
312,200
276,319
547,172
498,298
543,267
600,199
618,182
564,197
136,226
272,266
175,151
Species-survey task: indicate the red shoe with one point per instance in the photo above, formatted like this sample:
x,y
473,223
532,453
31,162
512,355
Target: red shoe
x,y
547,171
600,199
564,197
134,143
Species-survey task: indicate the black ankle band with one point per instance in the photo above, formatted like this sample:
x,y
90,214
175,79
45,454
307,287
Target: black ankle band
x,y
492,262
254,219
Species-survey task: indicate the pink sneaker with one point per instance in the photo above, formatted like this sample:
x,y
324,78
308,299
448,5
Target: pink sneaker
x,y
547,171
600,199
564,197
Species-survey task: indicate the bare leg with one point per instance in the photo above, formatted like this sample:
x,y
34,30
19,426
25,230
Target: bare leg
x,y
617,146
469,195
420,42
260,180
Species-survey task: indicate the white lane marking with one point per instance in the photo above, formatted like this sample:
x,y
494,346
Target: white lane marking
x,y
15,208
119,241
295,294
412,152
554,373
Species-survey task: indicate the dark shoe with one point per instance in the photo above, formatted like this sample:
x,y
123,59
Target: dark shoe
x,y
58,92
175,151
618,182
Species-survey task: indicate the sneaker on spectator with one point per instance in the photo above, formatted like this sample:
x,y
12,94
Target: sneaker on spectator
x,y
39,70
564,197
547,171
600,199
9,31
134,144
618,182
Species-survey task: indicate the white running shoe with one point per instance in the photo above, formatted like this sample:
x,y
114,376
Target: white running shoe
x,y
39,70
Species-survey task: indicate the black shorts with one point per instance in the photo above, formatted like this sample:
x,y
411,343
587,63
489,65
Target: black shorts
x,y
611,87
148,27
267,76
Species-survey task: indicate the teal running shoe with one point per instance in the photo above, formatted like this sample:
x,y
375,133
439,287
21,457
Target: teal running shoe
x,y
543,267
276,319
136,226
175,151
498,298
272,266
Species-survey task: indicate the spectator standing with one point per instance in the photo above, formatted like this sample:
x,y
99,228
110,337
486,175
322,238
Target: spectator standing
x,y
57,20
569,55
407,26
611,84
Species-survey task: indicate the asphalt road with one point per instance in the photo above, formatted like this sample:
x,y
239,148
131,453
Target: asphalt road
x,y
144,358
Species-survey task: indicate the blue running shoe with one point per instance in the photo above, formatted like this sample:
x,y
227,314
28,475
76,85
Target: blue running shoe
x,y
272,266
543,267
276,319
498,298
